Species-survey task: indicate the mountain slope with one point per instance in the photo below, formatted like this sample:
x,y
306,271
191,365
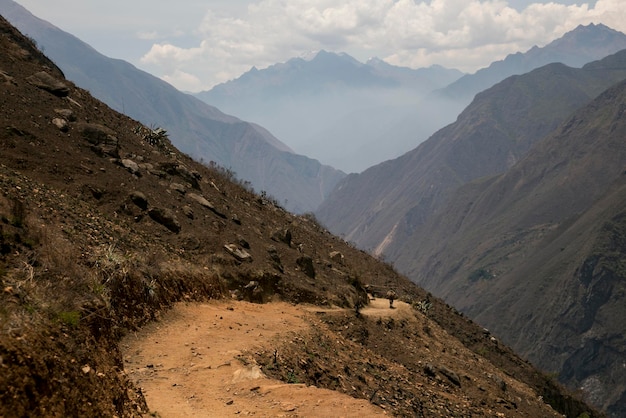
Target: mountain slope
x,y
336,109
574,49
197,129
383,207
548,233
104,226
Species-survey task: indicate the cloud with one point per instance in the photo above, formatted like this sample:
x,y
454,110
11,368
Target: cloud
x,y
456,33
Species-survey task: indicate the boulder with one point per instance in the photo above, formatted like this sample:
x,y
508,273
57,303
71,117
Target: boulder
x,y
166,218
336,257
139,199
282,235
67,114
46,82
178,187
102,139
61,124
205,203
306,265
131,166
239,253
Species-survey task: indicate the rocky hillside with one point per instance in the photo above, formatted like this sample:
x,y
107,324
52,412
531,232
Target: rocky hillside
x,y
537,253
104,225
414,210
201,131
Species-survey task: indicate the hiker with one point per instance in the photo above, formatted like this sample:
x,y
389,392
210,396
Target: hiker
x,y
391,295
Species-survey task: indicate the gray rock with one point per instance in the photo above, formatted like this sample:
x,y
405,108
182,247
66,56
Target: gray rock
x,y
67,114
8,80
188,212
336,257
46,82
282,235
166,218
139,199
178,187
306,265
239,253
102,139
451,375
61,124
205,203
131,166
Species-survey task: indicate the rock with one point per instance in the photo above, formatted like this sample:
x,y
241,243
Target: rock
x,y
275,257
336,257
67,114
46,82
102,139
8,80
239,253
178,187
501,383
188,212
282,235
139,199
243,242
166,218
306,264
175,169
430,370
61,124
451,375
131,166
205,203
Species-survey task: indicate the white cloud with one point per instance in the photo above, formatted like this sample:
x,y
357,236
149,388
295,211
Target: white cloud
x,y
455,33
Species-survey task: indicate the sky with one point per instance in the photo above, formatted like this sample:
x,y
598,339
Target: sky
x,y
196,44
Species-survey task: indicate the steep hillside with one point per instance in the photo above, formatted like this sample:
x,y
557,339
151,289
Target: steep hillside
x,y
332,107
200,130
104,225
383,208
537,253
574,49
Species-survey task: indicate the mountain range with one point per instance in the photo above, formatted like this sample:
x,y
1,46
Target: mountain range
x,y
449,212
107,229
574,49
202,131
417,210
352,115
334,108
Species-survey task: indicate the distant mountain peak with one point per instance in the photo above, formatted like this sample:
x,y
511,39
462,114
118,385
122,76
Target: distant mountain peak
x,y
309,55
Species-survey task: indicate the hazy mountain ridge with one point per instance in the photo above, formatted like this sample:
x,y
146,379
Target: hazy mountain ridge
x,y
574,49
548,233
336,109
196,128
490,135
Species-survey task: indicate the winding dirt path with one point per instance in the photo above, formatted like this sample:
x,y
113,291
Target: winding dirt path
x,y
190,364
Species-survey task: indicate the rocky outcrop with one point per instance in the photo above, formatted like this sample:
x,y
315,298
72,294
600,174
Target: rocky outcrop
x,y
166,218
239,253
306,265
46,82
103,140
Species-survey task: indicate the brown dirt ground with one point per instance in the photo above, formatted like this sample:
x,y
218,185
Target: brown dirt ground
x,y
192,364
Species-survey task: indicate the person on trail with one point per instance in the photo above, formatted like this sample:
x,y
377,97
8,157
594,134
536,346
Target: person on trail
x,y
391,295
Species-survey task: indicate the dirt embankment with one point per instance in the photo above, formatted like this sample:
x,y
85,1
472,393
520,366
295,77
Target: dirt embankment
x,y
192,364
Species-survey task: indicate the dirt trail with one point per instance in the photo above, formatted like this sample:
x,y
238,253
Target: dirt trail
x,y
190,364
